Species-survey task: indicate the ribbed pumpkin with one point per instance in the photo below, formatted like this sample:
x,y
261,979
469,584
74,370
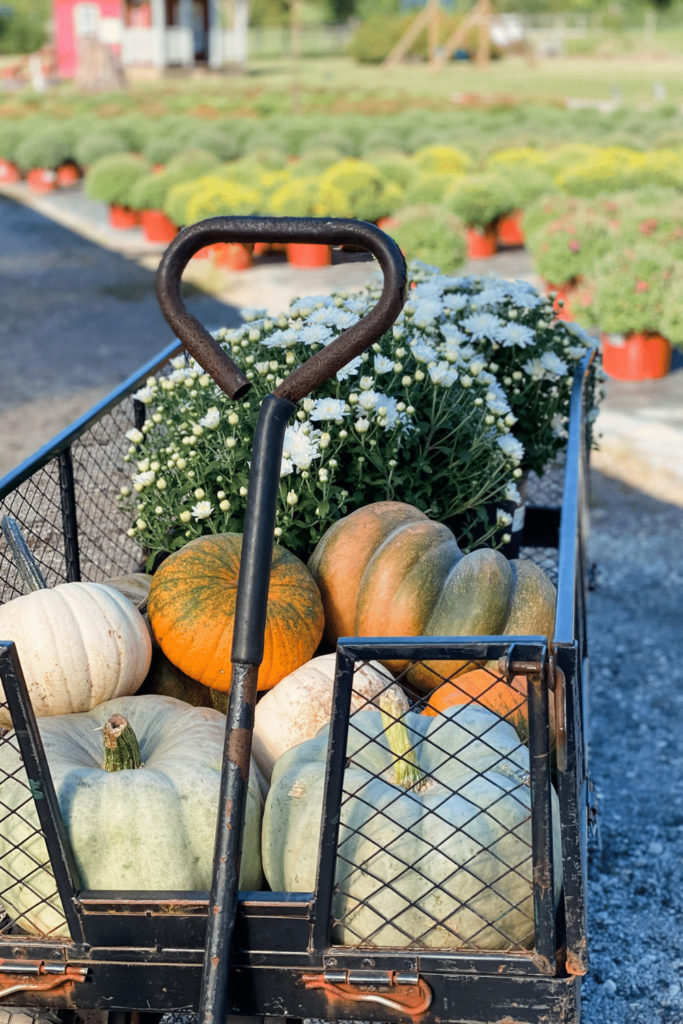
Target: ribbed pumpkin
x,y
388,570
191,611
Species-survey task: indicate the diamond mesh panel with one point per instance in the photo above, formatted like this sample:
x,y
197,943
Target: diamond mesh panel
x,y
99,471
434,847
28,891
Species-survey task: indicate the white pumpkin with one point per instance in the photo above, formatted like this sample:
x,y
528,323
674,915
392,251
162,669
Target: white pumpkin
x,y
301,703
79,644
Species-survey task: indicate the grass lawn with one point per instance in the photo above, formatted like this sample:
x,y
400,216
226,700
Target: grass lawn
x,y
337,84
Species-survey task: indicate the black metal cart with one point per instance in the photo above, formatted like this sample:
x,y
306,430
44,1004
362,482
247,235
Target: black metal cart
x,y
288,954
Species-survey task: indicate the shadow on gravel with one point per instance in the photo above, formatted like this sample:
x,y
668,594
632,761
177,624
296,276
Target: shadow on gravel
x,y
76,316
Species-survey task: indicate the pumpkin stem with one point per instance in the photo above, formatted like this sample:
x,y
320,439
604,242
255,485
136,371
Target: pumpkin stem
x,y
28,568
121,748
407,773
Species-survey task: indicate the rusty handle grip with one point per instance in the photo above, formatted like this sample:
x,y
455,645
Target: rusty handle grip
x,y
325,231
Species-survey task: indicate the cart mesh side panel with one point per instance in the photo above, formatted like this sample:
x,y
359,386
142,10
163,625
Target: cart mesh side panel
x,y
443,860
28,890
68,512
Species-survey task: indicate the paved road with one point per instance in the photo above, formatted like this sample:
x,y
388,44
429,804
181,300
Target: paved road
x,y
76,320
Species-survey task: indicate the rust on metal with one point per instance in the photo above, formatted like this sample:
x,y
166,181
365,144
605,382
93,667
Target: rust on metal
x,y
38,977
239,750
576,959
412,1000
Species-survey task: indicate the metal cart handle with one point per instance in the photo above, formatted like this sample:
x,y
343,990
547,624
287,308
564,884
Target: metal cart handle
x,y
332,231
259,521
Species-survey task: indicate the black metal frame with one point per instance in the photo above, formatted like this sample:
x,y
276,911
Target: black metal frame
x,y
138,946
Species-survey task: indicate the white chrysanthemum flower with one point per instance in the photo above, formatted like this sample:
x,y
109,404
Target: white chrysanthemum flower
x,y
362,425
513,335
426,312
339,318
555,366
388,412
211,418
329,409
365,383
443,374
301,445
316,334
431,289
350,369
382,364
281,338
134,435
314,303
503,518
143,479
455,302
178,363
513,448
369,400
286,467
482,326
202,510
145,394
498,406
534,368
575,352
423,352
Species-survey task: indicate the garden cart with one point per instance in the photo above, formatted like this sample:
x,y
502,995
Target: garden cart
x,y
459,898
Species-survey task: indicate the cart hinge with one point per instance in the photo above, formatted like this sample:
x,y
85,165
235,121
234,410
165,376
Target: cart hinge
x,y
36,976
404,991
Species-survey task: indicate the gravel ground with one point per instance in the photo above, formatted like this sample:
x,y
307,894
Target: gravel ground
x,y
636,760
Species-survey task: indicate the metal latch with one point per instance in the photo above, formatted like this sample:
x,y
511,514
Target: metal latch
x,y
37,976
404,991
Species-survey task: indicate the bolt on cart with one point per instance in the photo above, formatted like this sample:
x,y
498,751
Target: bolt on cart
x,y
459,898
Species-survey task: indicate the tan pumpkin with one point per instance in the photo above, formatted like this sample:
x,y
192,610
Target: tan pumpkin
x,y
406,576
301,703
191,610
79,644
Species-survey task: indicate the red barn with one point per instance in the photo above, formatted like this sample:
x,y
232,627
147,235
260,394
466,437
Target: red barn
x,y
154,34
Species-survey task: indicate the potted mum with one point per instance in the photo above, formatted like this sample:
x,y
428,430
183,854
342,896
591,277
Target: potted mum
x,y
635,291
110,179
431,234
479,200
298,198
411,420
149,193
11,135
216,195
40,154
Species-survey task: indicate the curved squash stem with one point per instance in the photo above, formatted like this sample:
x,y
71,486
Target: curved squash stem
x,y
121,748
407,772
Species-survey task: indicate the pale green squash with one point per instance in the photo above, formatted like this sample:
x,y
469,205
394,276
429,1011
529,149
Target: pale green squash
x,y
142,829
445,863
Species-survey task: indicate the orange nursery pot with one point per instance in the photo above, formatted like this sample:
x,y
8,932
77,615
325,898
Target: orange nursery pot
x,y
122,217
308,254
509,229
157,227
636,356
9,172
67,174
40,179
481,243
232,255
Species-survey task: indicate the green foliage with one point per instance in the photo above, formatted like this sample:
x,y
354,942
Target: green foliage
x,y
215,196
430,234
631,286
441,159
90,147
295,198
567,245
46,148
352,188
478,199
25,29
111,178
150,190
11,135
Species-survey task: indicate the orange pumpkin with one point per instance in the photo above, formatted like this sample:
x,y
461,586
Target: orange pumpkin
x,y
191,611
480,686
